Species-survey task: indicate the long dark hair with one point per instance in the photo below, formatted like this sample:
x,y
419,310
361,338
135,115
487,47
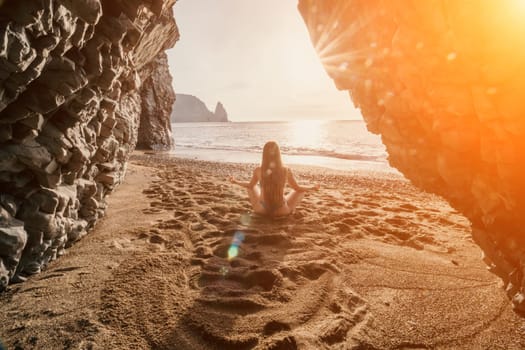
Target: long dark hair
x,y
273,176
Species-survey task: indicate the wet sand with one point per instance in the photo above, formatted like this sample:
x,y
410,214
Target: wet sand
x,y
368,262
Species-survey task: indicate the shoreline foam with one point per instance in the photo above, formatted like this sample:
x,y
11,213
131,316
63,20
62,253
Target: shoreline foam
x,y
245,157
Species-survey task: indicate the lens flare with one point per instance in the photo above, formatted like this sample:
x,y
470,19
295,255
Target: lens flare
x,y
246,219
237,240
224,271
233,252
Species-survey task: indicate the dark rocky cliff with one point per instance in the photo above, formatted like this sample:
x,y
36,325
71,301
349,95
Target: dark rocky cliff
x,y
70,106
441,82
157,104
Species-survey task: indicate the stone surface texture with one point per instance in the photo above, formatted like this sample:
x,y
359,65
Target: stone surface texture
x,y
70,106
157,103
441,81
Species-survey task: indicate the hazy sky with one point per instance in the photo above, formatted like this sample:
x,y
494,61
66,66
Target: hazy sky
x,y
255,56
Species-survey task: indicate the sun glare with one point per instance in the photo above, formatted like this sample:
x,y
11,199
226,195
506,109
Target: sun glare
x,y
307,133
517,16
500,24
519,5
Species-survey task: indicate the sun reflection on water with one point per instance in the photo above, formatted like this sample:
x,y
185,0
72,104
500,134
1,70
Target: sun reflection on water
x,y
307,133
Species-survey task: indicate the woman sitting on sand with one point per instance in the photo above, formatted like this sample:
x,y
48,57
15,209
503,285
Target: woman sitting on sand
x,y
273,176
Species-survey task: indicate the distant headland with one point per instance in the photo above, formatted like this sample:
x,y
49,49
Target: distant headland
x,y
188,108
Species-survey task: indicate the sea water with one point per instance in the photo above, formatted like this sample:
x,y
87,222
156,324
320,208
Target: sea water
x,y
341,145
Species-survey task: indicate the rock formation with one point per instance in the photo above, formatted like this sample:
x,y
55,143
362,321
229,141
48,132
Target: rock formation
x,y
441,82
70,105
220,113
157,104
188,108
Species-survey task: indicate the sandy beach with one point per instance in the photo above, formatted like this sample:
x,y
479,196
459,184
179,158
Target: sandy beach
x,y
367,262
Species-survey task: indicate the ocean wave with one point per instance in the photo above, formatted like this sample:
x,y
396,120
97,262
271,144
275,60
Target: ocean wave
x,y
293,151
333,154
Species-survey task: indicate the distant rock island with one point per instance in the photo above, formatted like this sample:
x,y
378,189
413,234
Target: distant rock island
x,y
188,108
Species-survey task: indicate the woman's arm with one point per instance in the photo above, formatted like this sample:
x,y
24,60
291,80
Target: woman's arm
x,y
297,187
251,183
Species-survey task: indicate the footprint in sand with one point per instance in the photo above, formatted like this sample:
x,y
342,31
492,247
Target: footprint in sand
x,y
273,291
271,295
